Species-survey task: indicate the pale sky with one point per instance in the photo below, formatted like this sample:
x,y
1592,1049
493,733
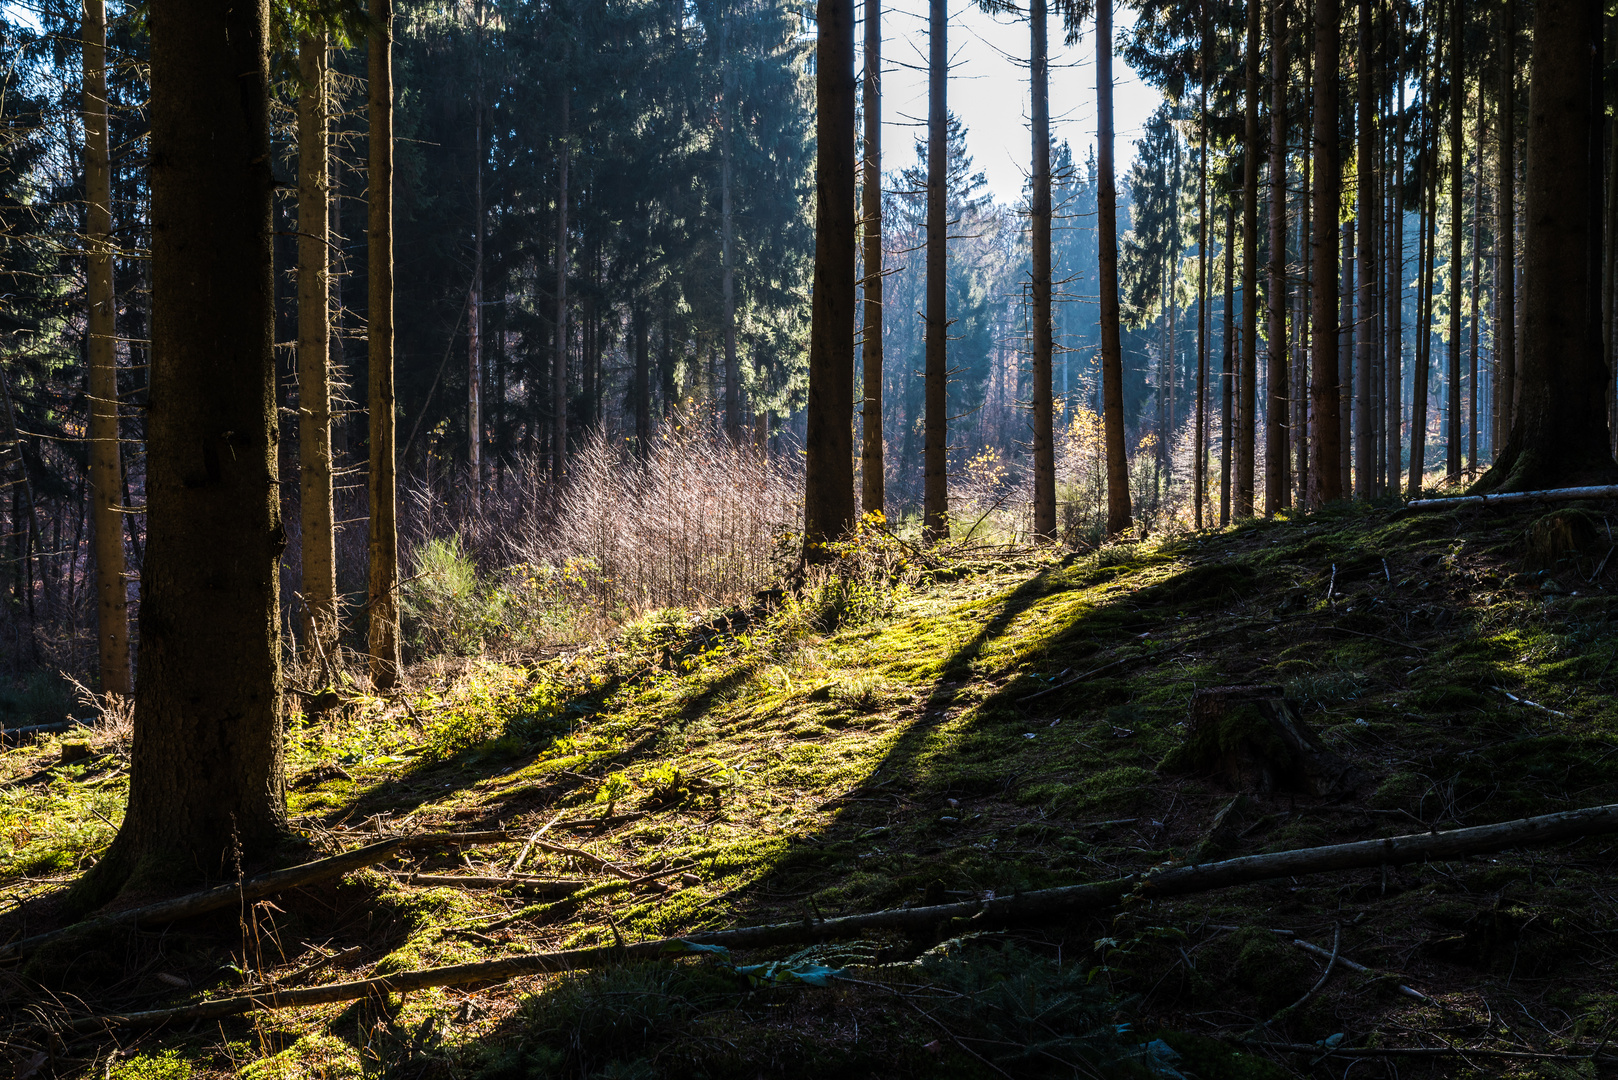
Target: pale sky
x,y
988,90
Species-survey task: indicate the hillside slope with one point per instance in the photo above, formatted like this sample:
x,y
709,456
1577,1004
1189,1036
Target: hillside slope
x,y
999,723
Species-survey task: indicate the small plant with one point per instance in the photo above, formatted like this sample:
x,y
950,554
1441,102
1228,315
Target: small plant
x,y
445,609
168,1065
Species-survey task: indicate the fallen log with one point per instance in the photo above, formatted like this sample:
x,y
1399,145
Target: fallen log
x,y
529,882
222,896
1018,908
1606,491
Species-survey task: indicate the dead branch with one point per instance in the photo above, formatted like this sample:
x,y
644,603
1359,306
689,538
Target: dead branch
x,y
530,882
1549,495
1018,908
221,896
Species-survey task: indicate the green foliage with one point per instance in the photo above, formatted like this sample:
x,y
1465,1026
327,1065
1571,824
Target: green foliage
x,y
168,1065
444,609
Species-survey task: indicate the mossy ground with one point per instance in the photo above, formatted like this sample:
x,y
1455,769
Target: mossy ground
x,y
993,725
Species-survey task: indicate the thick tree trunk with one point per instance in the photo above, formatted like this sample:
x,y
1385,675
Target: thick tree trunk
x,y
206,785
1365,266
101,341
935,451
829,477
872,457
1277,437
559,354
1560,434
1039,224
1505,285
1324,394
383,593
1247,400
1301,440
314,353
474,314
1112,360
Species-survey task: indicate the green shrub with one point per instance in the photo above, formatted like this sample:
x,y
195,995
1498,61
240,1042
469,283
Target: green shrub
x,y
445,610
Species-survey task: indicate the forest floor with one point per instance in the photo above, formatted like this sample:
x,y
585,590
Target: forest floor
x,y
878,744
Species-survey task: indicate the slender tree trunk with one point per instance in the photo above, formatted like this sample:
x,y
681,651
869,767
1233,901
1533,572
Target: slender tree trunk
x,y
1247,401
727,230
1453,289
1472,359
643,383
319,554
383,594
935,451
1199,459
1396,298
1345,361
1365,266
1560,433
1039,224
1112,360
829,478
474,314
1505,286
1324,468
1301,437
1227,372
559,355
1277,478
1427,255
101,333
207,793
872,459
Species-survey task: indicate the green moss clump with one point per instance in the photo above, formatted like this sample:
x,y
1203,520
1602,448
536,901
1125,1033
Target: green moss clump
x,y
1243,725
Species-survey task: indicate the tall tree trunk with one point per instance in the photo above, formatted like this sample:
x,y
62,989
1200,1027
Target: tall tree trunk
x,y
1427,256
1345,361
101,334
1039,224
474,314
1301,437
1505,285
1396,298
935,451
1324,393
1560,434
1365,266
1247,401
1227,372
872,477
1452,291
1472,319
1199,457
727,230
1277,475
383,593
559,354
829,477
207,792
1112,358
314,352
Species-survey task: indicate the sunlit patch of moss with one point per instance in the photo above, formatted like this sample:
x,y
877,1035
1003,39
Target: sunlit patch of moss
x,y
315,1055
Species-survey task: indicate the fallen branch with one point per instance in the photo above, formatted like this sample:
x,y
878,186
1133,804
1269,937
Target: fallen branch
x,y
1607,491
1362,969
532,882
1018,908
1413,1051
222,896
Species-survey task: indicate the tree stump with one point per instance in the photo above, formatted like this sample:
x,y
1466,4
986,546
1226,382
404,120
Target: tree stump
x,y
1250,737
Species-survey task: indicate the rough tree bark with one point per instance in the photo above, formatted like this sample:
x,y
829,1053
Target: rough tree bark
x,y
1247,397
1199,459
206,775
1324,392
1277,475
1039,224
935,448
1112,360
727,229
829,476
1559,437
1452,291
101,341
559,353
1365,268
1505,283
872,477
319,551
382,597
474,302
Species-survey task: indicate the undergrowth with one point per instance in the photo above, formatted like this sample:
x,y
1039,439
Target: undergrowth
x,y
908,728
